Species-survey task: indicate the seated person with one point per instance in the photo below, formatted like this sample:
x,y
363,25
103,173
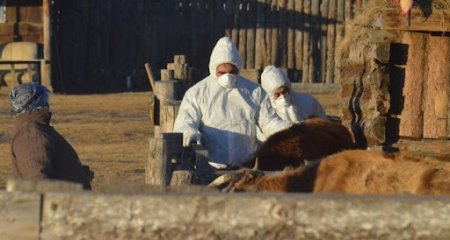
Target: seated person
x,y
223,112
38,151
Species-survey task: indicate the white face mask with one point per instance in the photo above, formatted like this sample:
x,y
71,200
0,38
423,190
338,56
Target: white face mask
x,y
283,101
227,80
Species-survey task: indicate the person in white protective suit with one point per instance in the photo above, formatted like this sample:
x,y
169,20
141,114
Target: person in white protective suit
x,y
223,111
292,106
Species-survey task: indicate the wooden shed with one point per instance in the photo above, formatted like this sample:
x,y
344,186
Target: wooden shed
x,y
395,76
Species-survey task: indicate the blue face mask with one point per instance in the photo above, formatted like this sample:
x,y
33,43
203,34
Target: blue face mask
x,y
227,80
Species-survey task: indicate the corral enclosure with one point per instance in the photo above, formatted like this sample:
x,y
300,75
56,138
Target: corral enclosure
x,y
376,90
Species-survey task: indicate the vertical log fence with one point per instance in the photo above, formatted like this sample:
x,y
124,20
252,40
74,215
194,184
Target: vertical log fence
x,y
99,44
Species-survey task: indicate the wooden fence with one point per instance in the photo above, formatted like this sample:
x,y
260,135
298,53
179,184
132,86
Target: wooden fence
x,y
100,43
83,215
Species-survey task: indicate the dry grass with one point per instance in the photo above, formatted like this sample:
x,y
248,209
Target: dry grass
x,y
108,131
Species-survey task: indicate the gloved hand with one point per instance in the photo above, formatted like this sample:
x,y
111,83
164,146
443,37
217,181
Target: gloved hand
x,y
191,137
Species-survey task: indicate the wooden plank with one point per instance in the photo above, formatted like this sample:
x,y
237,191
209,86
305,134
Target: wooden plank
x,y
324,7
229,10
412,117
235,28
282,47
251,32
290,9
306,41
314,57
243,24
268,33
348,4
260,45
299,35
274,33
20,185
167,116
331,41
46,22
438,21
340,14
153,163
20,215
181,177
436,91
243,216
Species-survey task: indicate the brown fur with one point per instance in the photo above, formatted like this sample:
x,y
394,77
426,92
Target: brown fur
x,y
358,172
313,139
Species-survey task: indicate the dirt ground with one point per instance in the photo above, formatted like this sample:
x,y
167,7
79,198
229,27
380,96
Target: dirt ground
x,y
110,133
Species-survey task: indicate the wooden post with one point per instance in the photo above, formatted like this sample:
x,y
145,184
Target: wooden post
x,y
282,47
323,39
299,29
251,11
268,33
274,33
21,215
340,13
290,10
235,29
436,91
46,23
260,48
167,74
243,25
348,9
163,152
411,123
306,41
331,41
181,177
170,93
314,57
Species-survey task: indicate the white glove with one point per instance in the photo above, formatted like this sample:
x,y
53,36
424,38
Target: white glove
x,y
190,137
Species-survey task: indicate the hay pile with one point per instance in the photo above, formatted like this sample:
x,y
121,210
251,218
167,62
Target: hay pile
x,y
360,30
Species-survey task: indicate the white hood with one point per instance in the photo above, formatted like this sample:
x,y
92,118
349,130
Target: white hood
x,y
224,52
272,78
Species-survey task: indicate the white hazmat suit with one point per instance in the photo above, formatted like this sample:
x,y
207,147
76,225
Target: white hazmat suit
x,y
294,107
226,116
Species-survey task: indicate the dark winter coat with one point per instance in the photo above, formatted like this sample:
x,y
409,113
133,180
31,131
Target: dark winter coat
x,y
40,152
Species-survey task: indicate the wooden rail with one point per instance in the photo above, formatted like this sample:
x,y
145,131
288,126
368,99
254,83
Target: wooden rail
x,y
85,215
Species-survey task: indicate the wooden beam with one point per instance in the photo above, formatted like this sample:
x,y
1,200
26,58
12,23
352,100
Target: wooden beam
x,y
438,21
20,215
46,22
20,185
437,83
412,116
243,216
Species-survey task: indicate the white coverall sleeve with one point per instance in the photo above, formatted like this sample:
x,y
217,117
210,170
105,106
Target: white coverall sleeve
x,y
189,115
268,120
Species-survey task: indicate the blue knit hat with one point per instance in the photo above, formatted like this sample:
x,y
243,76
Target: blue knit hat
x,y
28,97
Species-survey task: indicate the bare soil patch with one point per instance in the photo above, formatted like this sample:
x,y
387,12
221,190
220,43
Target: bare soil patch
x,y
108,131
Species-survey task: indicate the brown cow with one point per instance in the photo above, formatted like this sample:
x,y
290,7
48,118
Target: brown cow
x,y
313,139
355,172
